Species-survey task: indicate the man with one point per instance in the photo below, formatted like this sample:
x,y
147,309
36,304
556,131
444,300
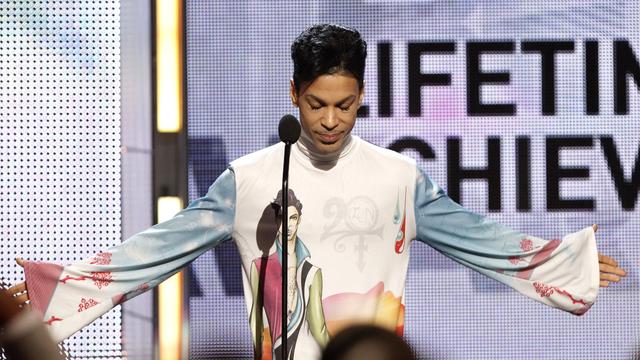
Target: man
x,y
304,288
351,190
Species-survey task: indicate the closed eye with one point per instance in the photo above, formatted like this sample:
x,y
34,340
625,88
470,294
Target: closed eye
x,y
315,103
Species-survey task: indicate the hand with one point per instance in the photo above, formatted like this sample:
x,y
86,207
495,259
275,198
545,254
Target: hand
x,y
609,270
8,308
19,290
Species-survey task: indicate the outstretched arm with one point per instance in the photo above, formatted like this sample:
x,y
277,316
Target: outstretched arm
x,y
70,297
563,273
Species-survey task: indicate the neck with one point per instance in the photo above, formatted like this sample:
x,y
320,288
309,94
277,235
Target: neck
x,y
306,146
291,248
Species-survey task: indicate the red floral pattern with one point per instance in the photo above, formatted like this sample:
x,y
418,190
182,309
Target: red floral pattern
x,y
546,291
526,245
102,258
101,278
69,277
543,290
86,304
567,294
143,287
52,319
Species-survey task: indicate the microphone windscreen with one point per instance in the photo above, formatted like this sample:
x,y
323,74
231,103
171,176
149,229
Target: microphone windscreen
x,y
289,129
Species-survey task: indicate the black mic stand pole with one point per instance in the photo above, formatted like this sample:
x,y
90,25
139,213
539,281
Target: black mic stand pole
x,y
285,250
289,132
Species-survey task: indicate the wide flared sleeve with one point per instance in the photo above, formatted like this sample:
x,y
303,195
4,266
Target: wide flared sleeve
x,y
71,297
562,273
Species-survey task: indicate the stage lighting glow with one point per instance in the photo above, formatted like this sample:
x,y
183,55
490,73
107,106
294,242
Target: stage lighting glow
x,y
170,318
169,65
168,206
170,294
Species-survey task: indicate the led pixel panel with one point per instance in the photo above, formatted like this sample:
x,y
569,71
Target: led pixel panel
x,y
60,143
527,112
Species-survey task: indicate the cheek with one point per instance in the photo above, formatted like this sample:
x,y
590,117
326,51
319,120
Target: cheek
x,y
307,119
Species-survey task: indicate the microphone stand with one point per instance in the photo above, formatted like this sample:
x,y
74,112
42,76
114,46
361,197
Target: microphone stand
x,y
289,132
285,250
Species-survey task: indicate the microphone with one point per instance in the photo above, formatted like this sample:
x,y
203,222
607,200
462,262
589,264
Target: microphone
x,y
289,129
289,132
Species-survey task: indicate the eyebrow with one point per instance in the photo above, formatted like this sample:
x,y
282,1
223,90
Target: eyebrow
x,y
322,102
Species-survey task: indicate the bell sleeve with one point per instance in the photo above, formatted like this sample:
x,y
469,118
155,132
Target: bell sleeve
x,y
70,297
562,273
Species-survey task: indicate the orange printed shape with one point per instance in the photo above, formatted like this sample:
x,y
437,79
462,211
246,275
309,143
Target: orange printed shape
x,y
267,350
348,309
390,312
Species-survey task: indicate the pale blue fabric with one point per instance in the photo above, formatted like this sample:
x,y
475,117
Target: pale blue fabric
x,y
559,273
156,253
144,260
466,237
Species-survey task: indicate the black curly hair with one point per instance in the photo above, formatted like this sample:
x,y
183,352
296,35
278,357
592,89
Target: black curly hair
x,y
328,49
292,200
268,224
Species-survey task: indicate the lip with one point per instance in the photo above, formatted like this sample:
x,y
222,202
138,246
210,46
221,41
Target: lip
x,y
329,138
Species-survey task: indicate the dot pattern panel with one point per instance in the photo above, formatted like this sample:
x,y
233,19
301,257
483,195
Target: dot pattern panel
x,y
238,68
60,143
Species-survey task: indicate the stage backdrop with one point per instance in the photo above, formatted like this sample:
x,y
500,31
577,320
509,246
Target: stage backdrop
x,y
60,161
526,111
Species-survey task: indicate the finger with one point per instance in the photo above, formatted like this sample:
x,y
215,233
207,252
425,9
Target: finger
x,y
17,288
20,261
604,268
594,227
607,260
609,277
604,283
22,299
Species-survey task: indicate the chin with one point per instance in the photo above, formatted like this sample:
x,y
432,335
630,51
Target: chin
x,y
324,148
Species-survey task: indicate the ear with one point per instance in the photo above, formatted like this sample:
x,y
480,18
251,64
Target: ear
x,y
292,93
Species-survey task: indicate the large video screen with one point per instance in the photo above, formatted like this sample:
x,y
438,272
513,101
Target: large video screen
x,y
527,112
60,144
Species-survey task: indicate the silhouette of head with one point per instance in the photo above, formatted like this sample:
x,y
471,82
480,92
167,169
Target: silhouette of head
x,y
367,342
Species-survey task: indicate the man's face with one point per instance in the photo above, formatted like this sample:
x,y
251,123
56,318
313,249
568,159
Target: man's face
x,y
292,224
328,107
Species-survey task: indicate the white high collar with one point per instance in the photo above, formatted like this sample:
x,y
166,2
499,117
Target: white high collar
x,y
306,147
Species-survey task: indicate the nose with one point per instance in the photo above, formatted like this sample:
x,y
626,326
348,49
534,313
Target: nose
x,y
330,121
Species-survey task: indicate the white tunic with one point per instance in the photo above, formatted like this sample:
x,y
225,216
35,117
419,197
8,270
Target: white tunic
x,y
360,210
